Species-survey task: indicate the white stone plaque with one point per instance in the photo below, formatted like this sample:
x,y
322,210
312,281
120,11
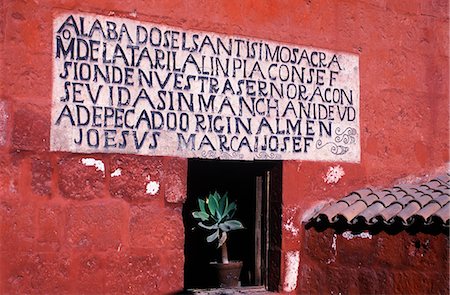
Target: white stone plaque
x,y
123,86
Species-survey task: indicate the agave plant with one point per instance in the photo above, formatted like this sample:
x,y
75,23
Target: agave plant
x,y
216,216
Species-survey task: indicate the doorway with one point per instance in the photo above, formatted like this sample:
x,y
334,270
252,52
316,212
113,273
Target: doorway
x,y
256,188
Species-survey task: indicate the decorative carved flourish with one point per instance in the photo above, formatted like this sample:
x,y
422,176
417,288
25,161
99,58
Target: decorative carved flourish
x,y
267,156
209,154
345,137
335,149
233,155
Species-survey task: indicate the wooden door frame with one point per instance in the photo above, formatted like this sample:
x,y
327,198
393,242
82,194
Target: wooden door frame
x,y
267,247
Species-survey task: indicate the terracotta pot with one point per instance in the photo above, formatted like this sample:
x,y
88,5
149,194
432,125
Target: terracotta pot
x,y
227,275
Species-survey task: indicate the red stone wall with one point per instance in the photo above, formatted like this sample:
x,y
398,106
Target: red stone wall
x,y
403,48
373,264
70,228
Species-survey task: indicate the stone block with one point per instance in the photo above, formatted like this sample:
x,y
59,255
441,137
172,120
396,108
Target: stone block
x,y
413,282
175,180
390,250
424,251
136,178
31,128
341,280
437,8
41,176
30,273
131,273
80,181
17,226
440,283
355,250
9,175
95,226
50,227
398,6
311,280
153,226
316,279
320,246
51,273
172,275
90,278
375,281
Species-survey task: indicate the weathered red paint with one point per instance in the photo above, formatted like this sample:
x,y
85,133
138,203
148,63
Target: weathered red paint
x,y
376,264
69,228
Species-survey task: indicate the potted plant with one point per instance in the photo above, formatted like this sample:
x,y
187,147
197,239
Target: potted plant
x,y
216,217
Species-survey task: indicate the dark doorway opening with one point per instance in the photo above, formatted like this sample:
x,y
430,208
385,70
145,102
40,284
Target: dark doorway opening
x,y
256,187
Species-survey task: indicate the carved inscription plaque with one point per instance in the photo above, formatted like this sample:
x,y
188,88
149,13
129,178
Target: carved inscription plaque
x,y
123,86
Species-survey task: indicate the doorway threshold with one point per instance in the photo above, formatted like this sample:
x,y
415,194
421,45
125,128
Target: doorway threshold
x,y
259,290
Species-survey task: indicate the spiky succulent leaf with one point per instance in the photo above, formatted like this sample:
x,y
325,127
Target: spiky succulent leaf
x,y
215,199
208,227
230,225
212,204
203,216
213,236
234,224
201,205
218,212
216,215
229,210
223,227
223,203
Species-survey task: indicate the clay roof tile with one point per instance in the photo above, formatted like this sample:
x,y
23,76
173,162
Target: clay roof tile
x,y
389,212
368,214
387,200
398,193
363,192
432,184
350,212
383,193
407,212
330,212
442,199
444,179
407,203
424,214
350,199
442,189
443,214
